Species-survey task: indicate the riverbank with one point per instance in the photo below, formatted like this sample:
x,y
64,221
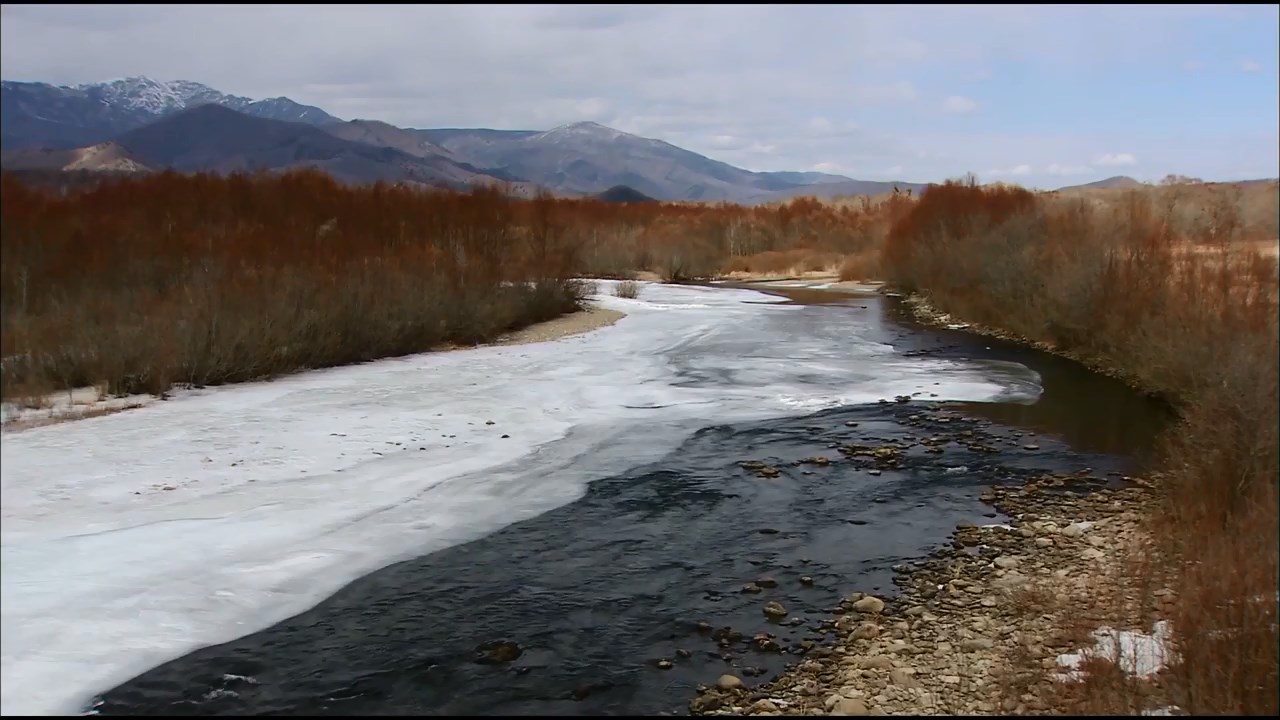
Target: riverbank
x,y
90,402
924,311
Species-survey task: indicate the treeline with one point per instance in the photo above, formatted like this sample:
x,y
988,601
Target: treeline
x,y
134,283
140,283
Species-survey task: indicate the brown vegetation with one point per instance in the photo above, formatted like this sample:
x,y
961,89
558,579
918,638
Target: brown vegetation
x,y
137,284
1110,283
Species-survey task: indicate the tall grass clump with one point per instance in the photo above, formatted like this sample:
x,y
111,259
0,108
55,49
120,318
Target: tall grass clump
x,y
629,289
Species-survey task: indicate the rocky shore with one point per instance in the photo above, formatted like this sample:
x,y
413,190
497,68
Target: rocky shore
x,y
990,624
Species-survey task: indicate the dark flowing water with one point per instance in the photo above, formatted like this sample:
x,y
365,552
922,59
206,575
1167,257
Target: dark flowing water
x,y
595,591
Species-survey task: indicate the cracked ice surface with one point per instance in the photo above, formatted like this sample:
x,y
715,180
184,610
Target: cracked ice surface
x,y
132,539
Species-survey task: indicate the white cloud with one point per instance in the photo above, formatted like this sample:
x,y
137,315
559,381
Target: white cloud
x,y
724,141
959,104
1116,159
827,167
1056,169
895,170
1250,66
820,124
1023,169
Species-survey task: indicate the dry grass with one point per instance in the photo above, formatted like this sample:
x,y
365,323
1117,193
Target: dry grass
x,y
26,423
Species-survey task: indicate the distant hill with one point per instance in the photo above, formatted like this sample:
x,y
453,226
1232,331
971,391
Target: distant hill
x,y
1259,181
103,157
586,158
213,138
373,132
623,194
1119,182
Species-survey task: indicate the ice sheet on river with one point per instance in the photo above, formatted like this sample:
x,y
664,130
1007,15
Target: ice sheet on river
x,y
132,539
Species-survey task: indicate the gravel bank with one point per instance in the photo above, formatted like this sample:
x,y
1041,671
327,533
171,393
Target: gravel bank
x,y
987,625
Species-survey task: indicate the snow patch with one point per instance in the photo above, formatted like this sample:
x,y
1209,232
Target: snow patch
x,y
1133,652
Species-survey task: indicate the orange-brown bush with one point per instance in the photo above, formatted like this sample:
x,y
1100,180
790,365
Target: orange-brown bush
x,y
1110,283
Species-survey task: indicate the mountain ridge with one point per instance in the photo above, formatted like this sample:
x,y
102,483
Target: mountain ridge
x,y
211,137
37,114
45,126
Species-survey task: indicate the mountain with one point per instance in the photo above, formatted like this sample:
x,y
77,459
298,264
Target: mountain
x,y
36,114
1119,182
579,159
214,138
373,132
805,178
587,158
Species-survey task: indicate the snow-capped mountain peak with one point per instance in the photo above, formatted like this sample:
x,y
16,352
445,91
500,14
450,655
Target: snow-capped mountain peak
x,y
152,96
145,95
585,130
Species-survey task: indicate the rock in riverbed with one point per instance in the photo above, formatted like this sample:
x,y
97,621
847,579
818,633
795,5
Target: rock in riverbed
x,y
497,652
729,682
774,609
869,604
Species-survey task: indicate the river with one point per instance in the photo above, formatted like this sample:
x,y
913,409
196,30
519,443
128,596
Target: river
x,y
598,590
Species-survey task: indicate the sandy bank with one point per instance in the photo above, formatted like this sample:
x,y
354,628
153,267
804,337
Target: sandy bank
x,y
591,318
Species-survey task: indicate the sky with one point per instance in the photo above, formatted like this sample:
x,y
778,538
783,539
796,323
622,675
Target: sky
x,y
1040,95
